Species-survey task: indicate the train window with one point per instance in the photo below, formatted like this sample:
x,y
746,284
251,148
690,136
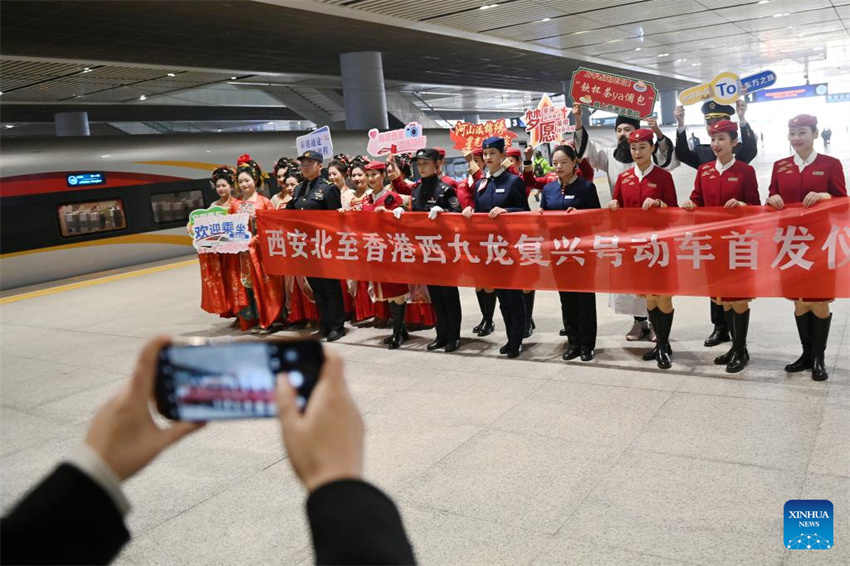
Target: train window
x,y
175,207
89,217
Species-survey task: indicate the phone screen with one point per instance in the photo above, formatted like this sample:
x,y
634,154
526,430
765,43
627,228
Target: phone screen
x,y
233,380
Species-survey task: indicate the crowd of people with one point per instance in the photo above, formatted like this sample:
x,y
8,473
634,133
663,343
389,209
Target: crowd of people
x,y
501,180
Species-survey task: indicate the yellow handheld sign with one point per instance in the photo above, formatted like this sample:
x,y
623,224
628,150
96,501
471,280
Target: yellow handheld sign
x,y
725,88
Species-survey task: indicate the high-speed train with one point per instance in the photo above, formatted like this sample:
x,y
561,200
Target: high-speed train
x,y
74,206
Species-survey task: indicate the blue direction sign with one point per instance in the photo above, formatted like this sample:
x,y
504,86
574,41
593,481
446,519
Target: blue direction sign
x,y
765,79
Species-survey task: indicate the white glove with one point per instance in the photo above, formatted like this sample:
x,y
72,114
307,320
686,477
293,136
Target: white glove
x,y
432,214
398,212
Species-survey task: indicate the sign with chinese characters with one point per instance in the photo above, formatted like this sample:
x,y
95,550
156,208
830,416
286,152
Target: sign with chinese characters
x,y
405,140
547,123
759,81
214,231
838,97
744,252
791,92
468,136
318,140
613,93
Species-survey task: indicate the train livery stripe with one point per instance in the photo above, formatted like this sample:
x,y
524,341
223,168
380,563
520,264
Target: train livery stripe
x,y
57,182
208,167
92,282
166,239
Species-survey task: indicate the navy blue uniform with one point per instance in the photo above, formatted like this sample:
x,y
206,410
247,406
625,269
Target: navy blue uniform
x,y
578,310
505,191
428,193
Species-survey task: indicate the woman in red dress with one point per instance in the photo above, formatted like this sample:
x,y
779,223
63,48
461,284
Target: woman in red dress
x,y
266,290
647,186
807,177
354,200
384,199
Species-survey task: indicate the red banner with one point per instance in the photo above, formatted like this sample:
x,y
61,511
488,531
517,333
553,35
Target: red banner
x,y
614,93
745,252
467,136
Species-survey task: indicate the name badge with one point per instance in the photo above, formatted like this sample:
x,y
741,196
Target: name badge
x,y
733,178
569,197
651,185
821,173
500,190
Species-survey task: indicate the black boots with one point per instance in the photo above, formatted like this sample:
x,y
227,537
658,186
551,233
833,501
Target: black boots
x,y
740,355
721,327
529,310
662,353
399,331
804,362
723,359
813,333
487,303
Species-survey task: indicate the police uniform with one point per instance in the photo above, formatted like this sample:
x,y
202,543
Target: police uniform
x,y
507,191
428,193
318,194
793,178
578,310
714,185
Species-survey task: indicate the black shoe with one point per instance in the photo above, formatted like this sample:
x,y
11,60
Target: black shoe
x,y
723,359
650,355
452,346
562,332
740,357
528,331
820,333
804,362
505,349
515,353
719,336
323,333
480,326
740,328
587,354
335,334
664,356
395,342
436,345
571,354
488,329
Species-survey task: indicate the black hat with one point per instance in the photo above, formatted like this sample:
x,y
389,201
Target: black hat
x,y
310,154
715,111
427,153
626,120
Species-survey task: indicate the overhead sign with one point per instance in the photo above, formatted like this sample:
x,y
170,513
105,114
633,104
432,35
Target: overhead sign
x,y
614,93
759,81
83,179
318,140
790,93
468,136
838,97
404,140
547,123
214,231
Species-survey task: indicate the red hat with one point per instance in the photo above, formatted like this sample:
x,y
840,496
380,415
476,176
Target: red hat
x,y
641,135
478,151
803,120
514,152
375,166
441,151
723,126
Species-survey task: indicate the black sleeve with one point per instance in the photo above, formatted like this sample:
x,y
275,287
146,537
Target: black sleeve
x,y
333,197
519,198
747,150
353,522
664,141
449,201
580,139
66,519
592,197
684,153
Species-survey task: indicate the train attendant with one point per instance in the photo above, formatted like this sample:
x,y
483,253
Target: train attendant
x,y
729,183
314,193
744,151
267,289
384,199
338,171
433,196
572,192
647,186
614,160
498,193
807,177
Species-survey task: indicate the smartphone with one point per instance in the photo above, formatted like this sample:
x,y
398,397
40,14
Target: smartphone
x,y
234,379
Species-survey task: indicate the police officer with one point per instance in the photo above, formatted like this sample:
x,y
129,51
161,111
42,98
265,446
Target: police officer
x,y
745,151
497,193
315,193
433,196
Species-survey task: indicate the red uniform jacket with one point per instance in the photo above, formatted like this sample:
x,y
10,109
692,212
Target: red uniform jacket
x,y
658,184
403,186
715,189
449,181
389,199
823,175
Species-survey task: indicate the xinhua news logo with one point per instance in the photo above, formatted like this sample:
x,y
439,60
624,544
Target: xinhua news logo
x,y
808,524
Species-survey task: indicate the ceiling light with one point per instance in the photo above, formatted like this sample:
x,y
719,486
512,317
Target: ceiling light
x,y
170,74
545,19
218,130
764,1
269,122
488,6
105,156
637,48
232,78
143,97
663,54
9,126
780,15
580,32
613,41
695,64
87,70
1,94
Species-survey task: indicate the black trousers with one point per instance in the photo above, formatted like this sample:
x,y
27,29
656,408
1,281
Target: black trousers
x,y
512,306
579,313
328,296
446,302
